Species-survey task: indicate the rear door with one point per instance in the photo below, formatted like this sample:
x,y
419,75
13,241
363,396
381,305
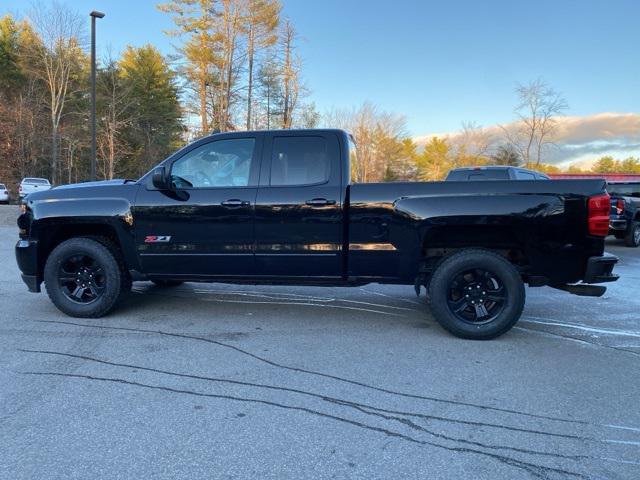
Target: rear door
x,y
299,216
206,228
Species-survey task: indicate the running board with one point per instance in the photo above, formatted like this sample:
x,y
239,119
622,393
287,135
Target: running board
x,y
582,289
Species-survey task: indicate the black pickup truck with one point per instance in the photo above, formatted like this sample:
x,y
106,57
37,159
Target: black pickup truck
x,y
625,212
278,207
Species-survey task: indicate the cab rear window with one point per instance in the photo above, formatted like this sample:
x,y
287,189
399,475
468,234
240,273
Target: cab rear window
x,y
460,175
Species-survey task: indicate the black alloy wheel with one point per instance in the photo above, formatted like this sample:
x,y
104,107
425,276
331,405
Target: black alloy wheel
x,y
476,296
81,279
86,277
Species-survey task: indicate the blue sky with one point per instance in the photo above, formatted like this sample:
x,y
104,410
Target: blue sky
x,y
437,62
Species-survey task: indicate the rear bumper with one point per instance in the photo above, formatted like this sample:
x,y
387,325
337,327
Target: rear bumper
x,y
600,269
618,225
27,258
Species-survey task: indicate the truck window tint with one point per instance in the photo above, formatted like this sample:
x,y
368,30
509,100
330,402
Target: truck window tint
x,y
520,175
478,176
299,161
225,163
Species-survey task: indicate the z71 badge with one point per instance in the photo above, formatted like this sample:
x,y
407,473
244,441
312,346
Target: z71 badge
x,y
157,239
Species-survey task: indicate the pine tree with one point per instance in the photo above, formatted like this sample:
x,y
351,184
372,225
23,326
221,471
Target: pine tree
x,y
196,19
154,103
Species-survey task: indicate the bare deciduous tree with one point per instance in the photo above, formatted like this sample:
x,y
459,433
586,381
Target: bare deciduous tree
x,y
377,135
227,37
116,114
473,144
262,20
290,73
61,32
538,107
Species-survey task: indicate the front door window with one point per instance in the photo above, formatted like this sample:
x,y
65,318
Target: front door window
x,y
225,163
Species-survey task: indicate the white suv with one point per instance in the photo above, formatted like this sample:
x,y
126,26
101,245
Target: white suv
x,y
4,194
30,185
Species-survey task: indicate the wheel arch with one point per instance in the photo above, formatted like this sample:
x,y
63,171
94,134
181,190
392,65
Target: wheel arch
x,y
53,232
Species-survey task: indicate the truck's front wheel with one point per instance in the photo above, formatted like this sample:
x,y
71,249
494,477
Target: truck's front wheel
x,y
476,294
83,278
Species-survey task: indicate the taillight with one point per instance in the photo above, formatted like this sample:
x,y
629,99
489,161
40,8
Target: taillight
x,y
599,213
620,206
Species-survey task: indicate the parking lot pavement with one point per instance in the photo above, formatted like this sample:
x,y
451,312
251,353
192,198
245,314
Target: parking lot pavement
x,y
219,381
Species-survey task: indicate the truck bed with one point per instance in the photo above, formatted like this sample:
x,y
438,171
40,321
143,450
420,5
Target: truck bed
x,y
392,224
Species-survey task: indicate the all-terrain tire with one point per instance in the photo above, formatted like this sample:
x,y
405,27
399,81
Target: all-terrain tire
x,y
115,282
632,236
469,260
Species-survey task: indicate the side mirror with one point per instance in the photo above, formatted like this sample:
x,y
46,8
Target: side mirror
x,y
159,179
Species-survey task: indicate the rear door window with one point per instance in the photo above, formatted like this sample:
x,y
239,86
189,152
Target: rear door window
x,y
300,160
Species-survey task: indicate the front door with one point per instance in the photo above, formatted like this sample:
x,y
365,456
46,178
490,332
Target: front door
x,y
299,218
205,227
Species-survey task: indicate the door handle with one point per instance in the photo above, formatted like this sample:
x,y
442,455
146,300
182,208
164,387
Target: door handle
x,y
320,202
234,202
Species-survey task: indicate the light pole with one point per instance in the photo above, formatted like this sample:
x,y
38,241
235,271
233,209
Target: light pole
x,y
93,16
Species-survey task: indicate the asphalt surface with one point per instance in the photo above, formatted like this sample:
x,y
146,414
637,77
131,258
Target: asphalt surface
x,y
219,381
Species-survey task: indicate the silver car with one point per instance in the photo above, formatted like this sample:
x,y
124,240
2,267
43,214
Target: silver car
x,y
4,194
30,185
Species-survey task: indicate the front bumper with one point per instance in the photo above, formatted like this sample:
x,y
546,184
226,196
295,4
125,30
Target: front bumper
x,y
27,258
600,269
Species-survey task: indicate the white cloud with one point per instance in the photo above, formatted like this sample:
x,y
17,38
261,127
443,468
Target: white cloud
x,y
583,139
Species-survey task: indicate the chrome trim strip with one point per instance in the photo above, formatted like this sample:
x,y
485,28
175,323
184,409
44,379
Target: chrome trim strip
x,y
372,246
195,254
308,254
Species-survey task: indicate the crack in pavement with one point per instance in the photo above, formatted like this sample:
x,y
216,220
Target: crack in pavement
x,y
538,471
320,374
364,408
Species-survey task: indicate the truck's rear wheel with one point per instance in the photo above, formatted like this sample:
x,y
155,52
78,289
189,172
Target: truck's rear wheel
x,y
83,278
632,237
476,294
